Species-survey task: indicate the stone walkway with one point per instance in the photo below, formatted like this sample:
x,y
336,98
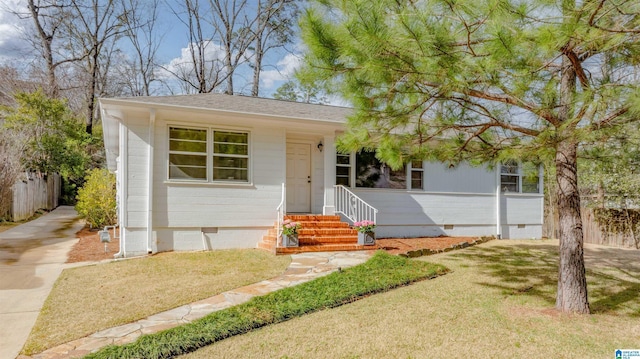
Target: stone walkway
x,y
303,268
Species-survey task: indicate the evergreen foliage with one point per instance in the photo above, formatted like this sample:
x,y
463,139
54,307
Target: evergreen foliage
x,y
480,77
484,81
97,198
300,92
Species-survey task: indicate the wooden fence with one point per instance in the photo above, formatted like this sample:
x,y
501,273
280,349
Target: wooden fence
x,y
593,232
34,193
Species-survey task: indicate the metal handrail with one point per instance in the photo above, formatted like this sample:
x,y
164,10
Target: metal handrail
x,y
281,210
352,206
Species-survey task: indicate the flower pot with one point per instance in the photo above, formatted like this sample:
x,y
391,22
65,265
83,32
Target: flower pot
x,y
366,238
290,240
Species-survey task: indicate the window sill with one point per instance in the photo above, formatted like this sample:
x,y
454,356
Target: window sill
x,y
518,194
210,184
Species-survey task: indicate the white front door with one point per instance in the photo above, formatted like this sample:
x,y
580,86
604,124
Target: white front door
x,y
299,177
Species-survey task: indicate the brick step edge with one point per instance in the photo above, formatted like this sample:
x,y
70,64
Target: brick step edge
x,y
312,218
327,240
326,231
324,248
320,225
271,248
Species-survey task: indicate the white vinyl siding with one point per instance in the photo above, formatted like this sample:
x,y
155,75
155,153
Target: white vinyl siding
x,y
137,168
224,204
462,178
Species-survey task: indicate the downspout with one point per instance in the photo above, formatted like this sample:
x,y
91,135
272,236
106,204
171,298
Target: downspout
x,y
541,186
152,125
498,200
122,184
118,206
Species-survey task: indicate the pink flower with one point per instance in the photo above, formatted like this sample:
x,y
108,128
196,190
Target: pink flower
x,y
364,226
290,227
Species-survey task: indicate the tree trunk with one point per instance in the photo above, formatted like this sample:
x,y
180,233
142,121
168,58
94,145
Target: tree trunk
x,y
230,69
46,39
572,281
91,93
255,88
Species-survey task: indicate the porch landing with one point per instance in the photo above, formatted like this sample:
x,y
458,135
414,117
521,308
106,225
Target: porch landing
x,y
319,233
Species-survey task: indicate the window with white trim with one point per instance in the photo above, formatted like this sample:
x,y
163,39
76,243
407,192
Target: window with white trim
x,y
343,169
519,177
187,153
200,154
230,156
530,178
417,175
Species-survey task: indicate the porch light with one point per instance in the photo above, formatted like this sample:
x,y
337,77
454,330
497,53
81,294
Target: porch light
x,y
320,146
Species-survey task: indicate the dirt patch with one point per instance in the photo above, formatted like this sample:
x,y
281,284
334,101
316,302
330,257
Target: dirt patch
x,y
404,245
90,249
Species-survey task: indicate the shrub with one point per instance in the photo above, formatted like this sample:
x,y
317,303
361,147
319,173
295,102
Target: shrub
x,y
97,198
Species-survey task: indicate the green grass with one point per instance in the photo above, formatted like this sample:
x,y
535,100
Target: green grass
x,y
496,303
91,298
381,273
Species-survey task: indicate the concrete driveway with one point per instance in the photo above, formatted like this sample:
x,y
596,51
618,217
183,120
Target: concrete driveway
x,y
32,256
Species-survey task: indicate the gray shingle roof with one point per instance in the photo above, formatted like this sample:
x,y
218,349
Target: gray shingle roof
x,y
245,104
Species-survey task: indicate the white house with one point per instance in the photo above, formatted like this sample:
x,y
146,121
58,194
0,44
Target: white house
x,y
209,171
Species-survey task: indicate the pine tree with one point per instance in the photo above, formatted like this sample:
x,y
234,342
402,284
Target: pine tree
x,y
484,81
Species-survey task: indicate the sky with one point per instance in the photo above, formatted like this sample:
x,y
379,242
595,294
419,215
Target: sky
x,y
281,63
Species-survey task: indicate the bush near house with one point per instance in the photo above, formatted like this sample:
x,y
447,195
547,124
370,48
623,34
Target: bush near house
x,y
97,198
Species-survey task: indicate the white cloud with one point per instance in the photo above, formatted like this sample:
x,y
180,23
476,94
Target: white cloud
x,y
11,29
285,69
213,54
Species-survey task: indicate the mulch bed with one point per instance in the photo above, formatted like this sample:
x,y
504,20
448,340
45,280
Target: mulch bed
x,y
405,245
90,249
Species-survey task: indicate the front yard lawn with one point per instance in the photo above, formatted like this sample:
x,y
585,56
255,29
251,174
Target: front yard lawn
x,y
380,273
496,303
91,298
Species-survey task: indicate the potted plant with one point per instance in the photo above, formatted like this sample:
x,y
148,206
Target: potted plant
x,y
366,235
290,233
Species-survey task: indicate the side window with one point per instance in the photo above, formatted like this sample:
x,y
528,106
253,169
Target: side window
x,y
343,169
530,178
510,177
187,153
519,178
417,175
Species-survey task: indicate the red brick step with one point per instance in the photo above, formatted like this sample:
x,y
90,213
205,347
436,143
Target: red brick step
x,y
319,233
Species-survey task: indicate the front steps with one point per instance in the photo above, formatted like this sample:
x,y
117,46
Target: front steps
x,y
319,233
